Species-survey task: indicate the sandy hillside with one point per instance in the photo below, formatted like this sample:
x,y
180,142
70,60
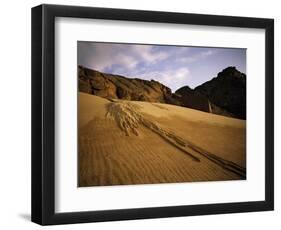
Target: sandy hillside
x,y
128,142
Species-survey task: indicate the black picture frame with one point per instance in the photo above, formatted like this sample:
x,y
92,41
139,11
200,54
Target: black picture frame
x,y
43,110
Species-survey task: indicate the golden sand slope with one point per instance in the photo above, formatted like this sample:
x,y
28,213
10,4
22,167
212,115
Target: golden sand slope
x,y
125,142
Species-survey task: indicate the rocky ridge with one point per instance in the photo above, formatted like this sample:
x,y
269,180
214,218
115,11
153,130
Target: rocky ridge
x,y
223,95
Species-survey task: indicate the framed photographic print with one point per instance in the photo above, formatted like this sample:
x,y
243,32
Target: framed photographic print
x,y
142,114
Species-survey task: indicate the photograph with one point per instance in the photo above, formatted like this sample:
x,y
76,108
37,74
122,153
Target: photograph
x,y
144,113
160,114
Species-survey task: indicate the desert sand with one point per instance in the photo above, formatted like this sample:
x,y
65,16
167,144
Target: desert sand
x,y
131,142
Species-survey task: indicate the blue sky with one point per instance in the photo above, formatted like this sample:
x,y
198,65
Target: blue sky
x,y
173,66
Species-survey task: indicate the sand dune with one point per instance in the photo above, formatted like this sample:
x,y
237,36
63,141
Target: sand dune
x,y
129,142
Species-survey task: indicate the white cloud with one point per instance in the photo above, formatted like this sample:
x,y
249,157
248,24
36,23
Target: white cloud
x,y
173,79
197,57
207,53
103,56
181,73
107,55
126,61
146,53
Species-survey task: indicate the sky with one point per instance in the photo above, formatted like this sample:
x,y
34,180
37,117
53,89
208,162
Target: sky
x,y
173,66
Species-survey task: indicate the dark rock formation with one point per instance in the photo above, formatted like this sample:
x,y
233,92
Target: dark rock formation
x,y
192,99
227,91
195,100
223,95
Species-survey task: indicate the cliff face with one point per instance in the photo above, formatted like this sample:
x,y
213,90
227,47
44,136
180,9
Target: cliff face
x,y
192,99
227,91
119,87
213,96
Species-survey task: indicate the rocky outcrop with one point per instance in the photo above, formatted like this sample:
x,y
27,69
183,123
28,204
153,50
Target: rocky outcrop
x,y
227,91
119,87
223,95
192,99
